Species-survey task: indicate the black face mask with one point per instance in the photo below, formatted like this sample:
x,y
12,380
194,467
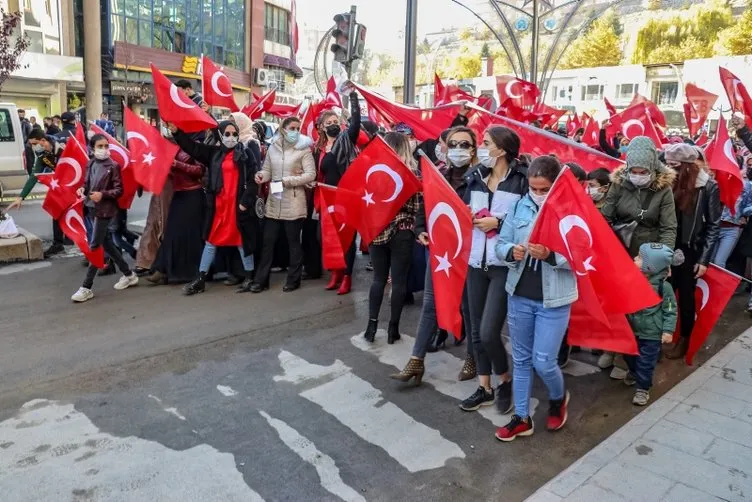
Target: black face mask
x,y
749,173
333,130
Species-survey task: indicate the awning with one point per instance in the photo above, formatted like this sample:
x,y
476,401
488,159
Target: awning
x,y
280,62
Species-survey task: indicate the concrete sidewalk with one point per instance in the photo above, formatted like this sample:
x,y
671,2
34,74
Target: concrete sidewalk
x,y
692,444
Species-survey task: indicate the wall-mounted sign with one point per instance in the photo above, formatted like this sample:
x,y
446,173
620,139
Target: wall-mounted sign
x,y
191,64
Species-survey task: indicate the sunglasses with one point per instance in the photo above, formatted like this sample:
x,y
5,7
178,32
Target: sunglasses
x,y
228,134
465,145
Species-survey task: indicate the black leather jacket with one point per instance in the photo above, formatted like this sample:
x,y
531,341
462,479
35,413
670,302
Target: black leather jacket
x,y
701,229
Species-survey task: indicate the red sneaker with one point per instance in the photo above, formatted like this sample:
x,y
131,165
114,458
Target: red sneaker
x,y
516,427
557,413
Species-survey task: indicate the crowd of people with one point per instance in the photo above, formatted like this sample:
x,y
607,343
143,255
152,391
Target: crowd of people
x,y
241,204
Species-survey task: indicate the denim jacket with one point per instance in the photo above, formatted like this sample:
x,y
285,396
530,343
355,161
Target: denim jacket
x,y
743,206
559,282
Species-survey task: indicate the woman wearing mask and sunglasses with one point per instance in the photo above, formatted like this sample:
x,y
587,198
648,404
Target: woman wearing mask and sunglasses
x,y
289,167
492,191
460,144
230,195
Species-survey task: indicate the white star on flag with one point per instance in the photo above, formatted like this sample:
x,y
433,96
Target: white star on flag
x,y
368,198
527,88
148,158
444,264
54,185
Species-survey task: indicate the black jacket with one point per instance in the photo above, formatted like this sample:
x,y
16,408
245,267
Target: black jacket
x,y
246,161
420,218
700,229
607,149
343,150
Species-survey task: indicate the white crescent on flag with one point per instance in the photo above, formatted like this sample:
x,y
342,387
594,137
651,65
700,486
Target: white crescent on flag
x,y
737,94
331,210
215,84
398,183
568,223
120,151
702,285
628,124
76,167
509,89
176,98
728,151
71,214
138,136
442,208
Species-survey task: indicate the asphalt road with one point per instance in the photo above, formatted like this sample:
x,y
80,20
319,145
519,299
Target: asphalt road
x,y
147,395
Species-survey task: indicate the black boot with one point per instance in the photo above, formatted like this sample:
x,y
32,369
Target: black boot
x,y
197,286
393,333
370,334
247,283
232,280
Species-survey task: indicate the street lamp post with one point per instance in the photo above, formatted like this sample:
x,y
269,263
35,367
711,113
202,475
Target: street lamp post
x,y
411,28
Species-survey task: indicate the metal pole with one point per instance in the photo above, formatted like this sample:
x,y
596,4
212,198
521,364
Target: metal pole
x,y
534,45
411,29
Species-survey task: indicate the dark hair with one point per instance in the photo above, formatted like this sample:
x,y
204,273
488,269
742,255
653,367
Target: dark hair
x,y
47,118
37,134
581,130
544,166
288,121
184,84
97,137
506,139
454,130
21,110
577,170
601,175
526,158
260,129
372,128
684,187
444,134
56,117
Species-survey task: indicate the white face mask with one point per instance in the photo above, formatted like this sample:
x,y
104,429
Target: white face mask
x,y
102,153
640,180
38,148
538,199
440,155
230,141
595,193
484,156
459,157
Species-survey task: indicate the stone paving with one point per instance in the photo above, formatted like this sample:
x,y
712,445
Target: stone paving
x,y
692,444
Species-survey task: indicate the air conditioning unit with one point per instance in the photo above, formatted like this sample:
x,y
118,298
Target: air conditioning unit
x,y
261,77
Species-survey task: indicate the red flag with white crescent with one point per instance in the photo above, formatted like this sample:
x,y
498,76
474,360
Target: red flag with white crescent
x,y
152,155
653,111
700,104
611,108
176,107
81,136
70,169
635,121
450,228
122,157
722,160
256,109
521,92
336,236
216,86
449,93
569,224
58,198
332,98
72,224
737,95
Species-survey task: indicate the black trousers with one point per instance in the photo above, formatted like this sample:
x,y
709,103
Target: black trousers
x,y
312,248
395,256
487,300
272,231
58,237
684,282
101,237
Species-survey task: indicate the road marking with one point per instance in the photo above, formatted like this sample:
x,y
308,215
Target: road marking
x,y
441,371
52,452
171,411
361,407
227,391
24,267
325,466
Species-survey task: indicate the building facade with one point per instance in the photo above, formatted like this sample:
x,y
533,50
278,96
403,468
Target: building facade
x,y
50,73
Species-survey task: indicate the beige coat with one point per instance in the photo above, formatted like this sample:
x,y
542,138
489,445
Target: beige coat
x,y
295,168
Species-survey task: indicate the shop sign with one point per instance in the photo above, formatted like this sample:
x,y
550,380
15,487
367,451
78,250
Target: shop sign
x,y
191,64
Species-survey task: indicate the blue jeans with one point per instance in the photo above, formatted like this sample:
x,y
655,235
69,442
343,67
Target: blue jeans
x,y
535,330
643,366
210,251
727,240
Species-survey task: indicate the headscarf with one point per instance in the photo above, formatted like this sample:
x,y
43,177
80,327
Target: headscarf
x,y
641,152
221,128
244,125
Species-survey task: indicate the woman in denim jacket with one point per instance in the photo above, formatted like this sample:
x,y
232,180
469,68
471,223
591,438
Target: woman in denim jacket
x,y
541,288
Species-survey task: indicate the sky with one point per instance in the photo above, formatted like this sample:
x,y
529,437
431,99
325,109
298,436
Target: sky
x,y
385,19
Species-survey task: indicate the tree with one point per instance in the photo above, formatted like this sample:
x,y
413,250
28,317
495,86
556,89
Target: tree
x,y
600,46
12,44
735,40
485,52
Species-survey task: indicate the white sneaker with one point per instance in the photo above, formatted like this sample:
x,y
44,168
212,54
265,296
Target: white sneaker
x,y
82,295
618,373
126,281
606,360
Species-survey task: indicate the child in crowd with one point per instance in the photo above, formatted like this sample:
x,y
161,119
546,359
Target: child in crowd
x,y
654,325
598,181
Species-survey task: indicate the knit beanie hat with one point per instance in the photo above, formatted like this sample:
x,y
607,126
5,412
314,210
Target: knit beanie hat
x,y
680,153
641,152
656,257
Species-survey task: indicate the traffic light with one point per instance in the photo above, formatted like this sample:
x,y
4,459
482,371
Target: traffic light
x,y
349,38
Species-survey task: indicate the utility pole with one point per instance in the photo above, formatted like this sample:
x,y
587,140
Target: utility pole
x,y
411,29
534,47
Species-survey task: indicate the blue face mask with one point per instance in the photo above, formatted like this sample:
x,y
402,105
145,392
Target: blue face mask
x,y
292,136
623,149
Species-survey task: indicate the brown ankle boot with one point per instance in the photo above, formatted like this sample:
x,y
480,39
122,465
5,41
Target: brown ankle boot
x,y
468,371
414,368
679,350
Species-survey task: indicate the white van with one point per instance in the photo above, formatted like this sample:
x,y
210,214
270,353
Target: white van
x,y
12,160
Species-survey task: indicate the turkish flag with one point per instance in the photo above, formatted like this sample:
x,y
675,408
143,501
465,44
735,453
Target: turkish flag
x,y
284,111
521,92
81,136
256,109
374,188
703,140
700,104
712,294
569,224
611,108
653,111
58,198
635,121
450,229
548,115
737,95
72,224
308,122
70,170
445,94
176,107
332,98
122,156
216,86
722,160
152,155
591,136
509,110
336,236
